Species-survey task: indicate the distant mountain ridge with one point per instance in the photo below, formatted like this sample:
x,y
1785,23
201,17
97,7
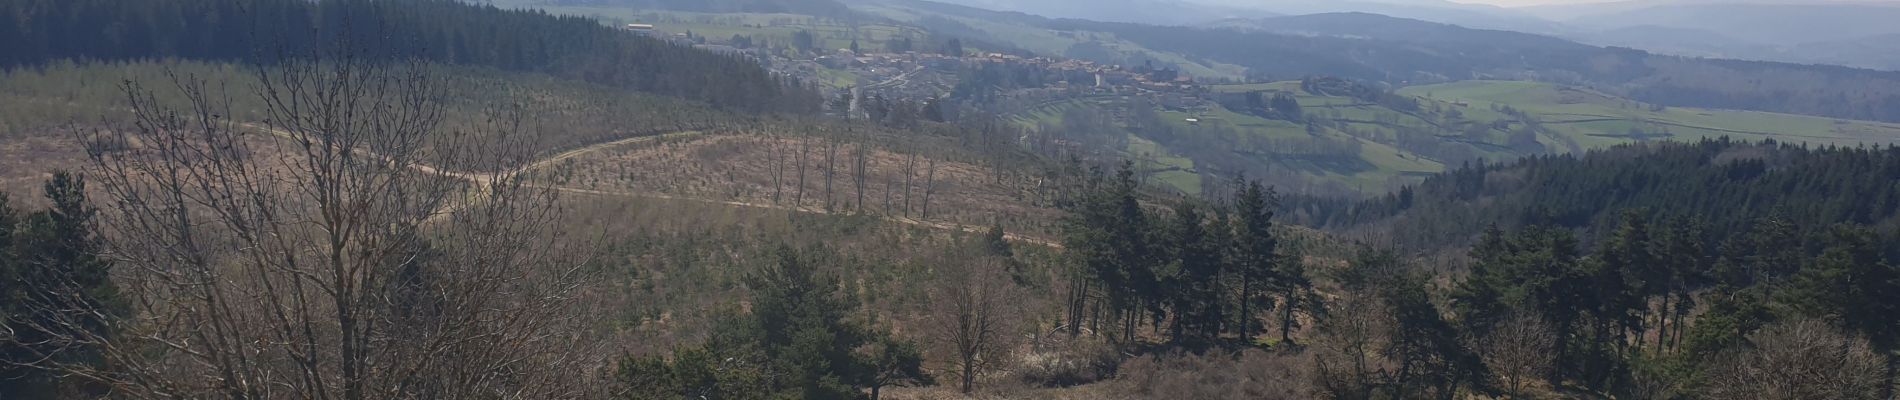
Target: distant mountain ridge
x,y
806,7
1159,12
1850,33
1779,24
1383,27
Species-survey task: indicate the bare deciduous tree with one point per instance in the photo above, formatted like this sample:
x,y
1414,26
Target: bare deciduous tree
x,y
831,169
910,168
930,188
1522,347
804,153
1799,360
974,315
329,252
1347,357
859,174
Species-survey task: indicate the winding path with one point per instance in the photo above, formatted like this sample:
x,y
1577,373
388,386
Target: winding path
x,y
489,178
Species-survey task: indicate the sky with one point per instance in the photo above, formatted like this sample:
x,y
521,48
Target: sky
x,y
1522,3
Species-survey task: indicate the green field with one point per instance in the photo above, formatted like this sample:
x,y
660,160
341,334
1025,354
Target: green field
x,y
1058,42
1165,168
838,78
1373,167
769,28
1597,120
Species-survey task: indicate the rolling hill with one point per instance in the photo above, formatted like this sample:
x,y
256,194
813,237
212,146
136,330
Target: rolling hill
x,y
1810,32
828,8
1786,23
1161,12
1598,120
1347,145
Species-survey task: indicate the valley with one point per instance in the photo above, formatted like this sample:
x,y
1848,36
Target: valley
x,y
906,199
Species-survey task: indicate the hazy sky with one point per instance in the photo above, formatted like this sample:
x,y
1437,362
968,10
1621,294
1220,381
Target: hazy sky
x,y
1520,3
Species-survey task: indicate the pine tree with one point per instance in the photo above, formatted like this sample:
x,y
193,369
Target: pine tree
x,y
1255,252
808,329
1851,284
1479,300
58,289
1622,263
1194,288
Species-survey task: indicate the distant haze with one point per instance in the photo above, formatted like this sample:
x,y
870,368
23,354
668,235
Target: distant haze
x,y
1527,3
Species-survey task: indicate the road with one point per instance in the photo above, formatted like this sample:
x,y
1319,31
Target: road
x,y
487,179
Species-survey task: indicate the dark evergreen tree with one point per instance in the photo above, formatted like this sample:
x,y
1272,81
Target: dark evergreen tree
x,y
59,296
896,363
1256,253
446,31
1194,289
1853,285
801,340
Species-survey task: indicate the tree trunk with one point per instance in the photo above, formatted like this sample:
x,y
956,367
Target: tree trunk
x,y
930,188
1662,324
804,152
831,167
1078,298
910,170
864,168
1246,309
1286,317
969,373
778,172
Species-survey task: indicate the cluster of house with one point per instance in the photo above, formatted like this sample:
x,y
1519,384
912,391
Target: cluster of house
x,y
1165,88
927,74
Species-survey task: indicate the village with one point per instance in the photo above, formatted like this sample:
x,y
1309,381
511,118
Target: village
x,y
921,75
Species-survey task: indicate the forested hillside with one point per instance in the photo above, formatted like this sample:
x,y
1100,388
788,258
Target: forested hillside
x,y
1404,52
825,8
443,31
1725,184
428,199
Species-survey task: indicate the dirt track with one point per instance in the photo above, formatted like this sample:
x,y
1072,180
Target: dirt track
x,y
484,179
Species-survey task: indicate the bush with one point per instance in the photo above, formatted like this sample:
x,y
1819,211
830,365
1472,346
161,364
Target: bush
x,y
1069,363
1804,359
1250,374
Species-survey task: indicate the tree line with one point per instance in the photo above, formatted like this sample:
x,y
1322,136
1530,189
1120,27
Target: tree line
x,y
1205,275
436,30
1663,308
1725,183
1672,304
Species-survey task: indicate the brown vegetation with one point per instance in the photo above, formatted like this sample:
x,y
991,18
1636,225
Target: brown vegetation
x,y
1800,360
317,267
800,173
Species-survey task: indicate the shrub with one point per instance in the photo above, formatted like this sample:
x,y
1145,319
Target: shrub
x,y
1070,363
1250,374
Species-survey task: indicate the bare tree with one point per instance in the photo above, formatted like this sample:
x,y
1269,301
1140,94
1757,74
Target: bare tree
x,y
1522,347
889,187
778,169
329,252
1804,359
1347,354
804,152
831,168
974,315
860,177
910,168
930,188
